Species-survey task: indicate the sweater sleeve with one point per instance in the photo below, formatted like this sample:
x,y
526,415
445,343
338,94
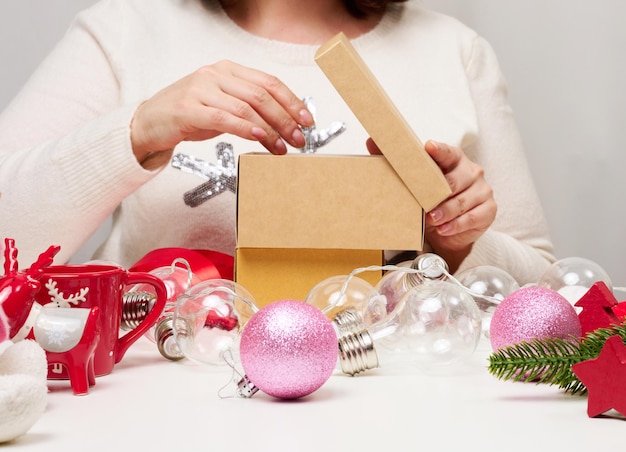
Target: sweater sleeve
x,y
65,154
518,241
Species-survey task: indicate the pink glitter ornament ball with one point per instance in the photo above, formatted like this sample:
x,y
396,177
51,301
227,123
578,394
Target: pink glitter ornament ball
x,y
288,349
533,313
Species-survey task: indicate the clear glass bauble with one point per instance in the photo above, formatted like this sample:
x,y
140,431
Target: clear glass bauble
x,y
396,283
438,324
573,276
337,294
488,285
208,319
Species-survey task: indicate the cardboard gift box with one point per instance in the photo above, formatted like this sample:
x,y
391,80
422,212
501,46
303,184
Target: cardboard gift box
x,y
302,218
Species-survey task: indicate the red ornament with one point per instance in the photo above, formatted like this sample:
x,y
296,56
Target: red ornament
x,y
18,287
620,311
597,308
605,378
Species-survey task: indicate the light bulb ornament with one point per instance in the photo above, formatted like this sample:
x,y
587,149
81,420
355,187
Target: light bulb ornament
x,y
394,284
435,323
353,304
348,318
349,301
488,281
140,299
573,276
208,319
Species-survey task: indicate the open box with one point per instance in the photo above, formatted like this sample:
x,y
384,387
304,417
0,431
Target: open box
x,y
302,218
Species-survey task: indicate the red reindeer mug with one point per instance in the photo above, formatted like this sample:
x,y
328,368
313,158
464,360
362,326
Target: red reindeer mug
x,y
88,285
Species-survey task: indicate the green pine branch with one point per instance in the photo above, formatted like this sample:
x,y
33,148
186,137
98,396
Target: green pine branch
x,y
549,361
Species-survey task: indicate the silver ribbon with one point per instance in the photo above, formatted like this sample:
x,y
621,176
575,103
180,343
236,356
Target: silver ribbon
x,y
316,138
220,178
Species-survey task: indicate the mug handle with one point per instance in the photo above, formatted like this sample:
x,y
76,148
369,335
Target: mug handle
x,y
126,340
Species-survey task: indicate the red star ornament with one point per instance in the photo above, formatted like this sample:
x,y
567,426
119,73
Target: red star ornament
x,y
597,308
605,378
620,310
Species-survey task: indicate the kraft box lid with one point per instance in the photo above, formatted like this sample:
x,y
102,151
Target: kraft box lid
x,y
364,95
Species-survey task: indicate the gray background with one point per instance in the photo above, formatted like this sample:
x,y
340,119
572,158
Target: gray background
x,y
565,65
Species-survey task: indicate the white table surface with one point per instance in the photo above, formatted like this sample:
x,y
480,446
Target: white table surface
x,y
151,404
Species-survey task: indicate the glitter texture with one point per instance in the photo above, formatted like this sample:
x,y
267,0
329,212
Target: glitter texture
x,y
219,178
533,313
316,138
288,349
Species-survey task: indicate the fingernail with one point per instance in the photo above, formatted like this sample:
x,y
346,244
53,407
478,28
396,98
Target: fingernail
x,y
298,138
258,133
280,147
436,215
444,228
306,118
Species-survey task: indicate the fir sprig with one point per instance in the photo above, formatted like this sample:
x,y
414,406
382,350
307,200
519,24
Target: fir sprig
x,y
549,360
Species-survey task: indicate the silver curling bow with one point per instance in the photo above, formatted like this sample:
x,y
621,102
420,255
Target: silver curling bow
x,y
316,138
219,178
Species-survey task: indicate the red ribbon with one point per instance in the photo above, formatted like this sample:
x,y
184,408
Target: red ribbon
x,y
205,264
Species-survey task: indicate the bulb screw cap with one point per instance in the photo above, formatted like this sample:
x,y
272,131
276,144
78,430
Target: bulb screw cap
x,y
135,308
357,352
347,321
166,342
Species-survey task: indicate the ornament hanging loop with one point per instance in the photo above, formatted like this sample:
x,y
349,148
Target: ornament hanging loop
x,y
244,388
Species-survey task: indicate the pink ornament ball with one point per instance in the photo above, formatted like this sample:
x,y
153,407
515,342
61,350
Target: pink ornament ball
x,y
288,349
533,313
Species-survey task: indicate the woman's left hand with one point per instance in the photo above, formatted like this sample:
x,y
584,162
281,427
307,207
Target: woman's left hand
x,y
456,223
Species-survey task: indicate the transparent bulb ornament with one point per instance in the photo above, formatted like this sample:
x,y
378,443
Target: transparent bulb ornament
x,y
488,286
208,319
396,283
434,326
573,276
350,302
139,300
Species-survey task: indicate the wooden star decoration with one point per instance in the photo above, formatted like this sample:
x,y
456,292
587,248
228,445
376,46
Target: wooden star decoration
x,y
620,311
597,308
605,378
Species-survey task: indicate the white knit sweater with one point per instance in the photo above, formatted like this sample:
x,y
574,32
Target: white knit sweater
x,y
66,164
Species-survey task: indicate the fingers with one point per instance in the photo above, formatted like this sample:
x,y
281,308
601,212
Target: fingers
x,y
456,223
372,148
471,208
265,101
222,98
446,157
478,218
279,93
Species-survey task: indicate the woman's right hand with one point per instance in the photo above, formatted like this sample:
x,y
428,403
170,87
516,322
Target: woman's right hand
x,y
220,98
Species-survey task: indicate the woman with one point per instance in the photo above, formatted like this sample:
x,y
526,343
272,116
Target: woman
x,y
142,108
